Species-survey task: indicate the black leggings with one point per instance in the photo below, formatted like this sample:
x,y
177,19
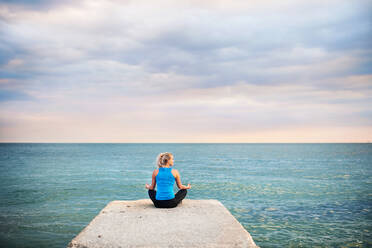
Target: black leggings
x,y
180,195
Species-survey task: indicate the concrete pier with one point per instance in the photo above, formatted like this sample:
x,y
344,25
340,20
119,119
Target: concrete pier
x,y
193,223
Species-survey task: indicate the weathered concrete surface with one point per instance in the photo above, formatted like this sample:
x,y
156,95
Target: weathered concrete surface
x,y
193,223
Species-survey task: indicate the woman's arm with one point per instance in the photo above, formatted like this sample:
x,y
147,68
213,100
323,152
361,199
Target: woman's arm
x,y
153,183
178,181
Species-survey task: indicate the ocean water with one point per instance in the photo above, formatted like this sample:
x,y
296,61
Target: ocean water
x,y
285,195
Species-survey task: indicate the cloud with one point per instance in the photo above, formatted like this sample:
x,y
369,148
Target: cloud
x,y
215,67
9,95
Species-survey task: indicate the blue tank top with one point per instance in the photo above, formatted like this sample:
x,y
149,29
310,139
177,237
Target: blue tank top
x,y
164,181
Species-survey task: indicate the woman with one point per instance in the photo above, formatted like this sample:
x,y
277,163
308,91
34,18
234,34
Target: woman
x,y
165,177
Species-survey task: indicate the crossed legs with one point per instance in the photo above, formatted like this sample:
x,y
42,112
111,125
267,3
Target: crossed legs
x,y
178,197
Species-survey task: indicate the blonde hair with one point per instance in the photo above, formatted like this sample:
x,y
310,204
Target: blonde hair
x,y
163,159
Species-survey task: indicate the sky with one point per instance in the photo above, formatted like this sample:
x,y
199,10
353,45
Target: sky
x,y
213,71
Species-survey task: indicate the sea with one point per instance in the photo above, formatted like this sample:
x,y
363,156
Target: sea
x,y
284,195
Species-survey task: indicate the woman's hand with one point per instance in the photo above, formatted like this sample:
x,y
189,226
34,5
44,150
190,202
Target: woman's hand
x,y
147,186
188,186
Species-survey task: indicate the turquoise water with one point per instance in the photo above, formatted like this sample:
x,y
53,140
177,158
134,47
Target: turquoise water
x,y
285,195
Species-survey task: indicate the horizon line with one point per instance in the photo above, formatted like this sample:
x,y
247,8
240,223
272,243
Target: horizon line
x,y
367,142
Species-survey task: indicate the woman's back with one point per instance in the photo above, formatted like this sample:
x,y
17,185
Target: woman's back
x,y
165,181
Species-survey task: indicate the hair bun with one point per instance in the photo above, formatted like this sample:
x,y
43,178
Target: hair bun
x,y
163,159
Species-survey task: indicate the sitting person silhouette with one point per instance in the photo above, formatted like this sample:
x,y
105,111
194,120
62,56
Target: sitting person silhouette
x,y
164,177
